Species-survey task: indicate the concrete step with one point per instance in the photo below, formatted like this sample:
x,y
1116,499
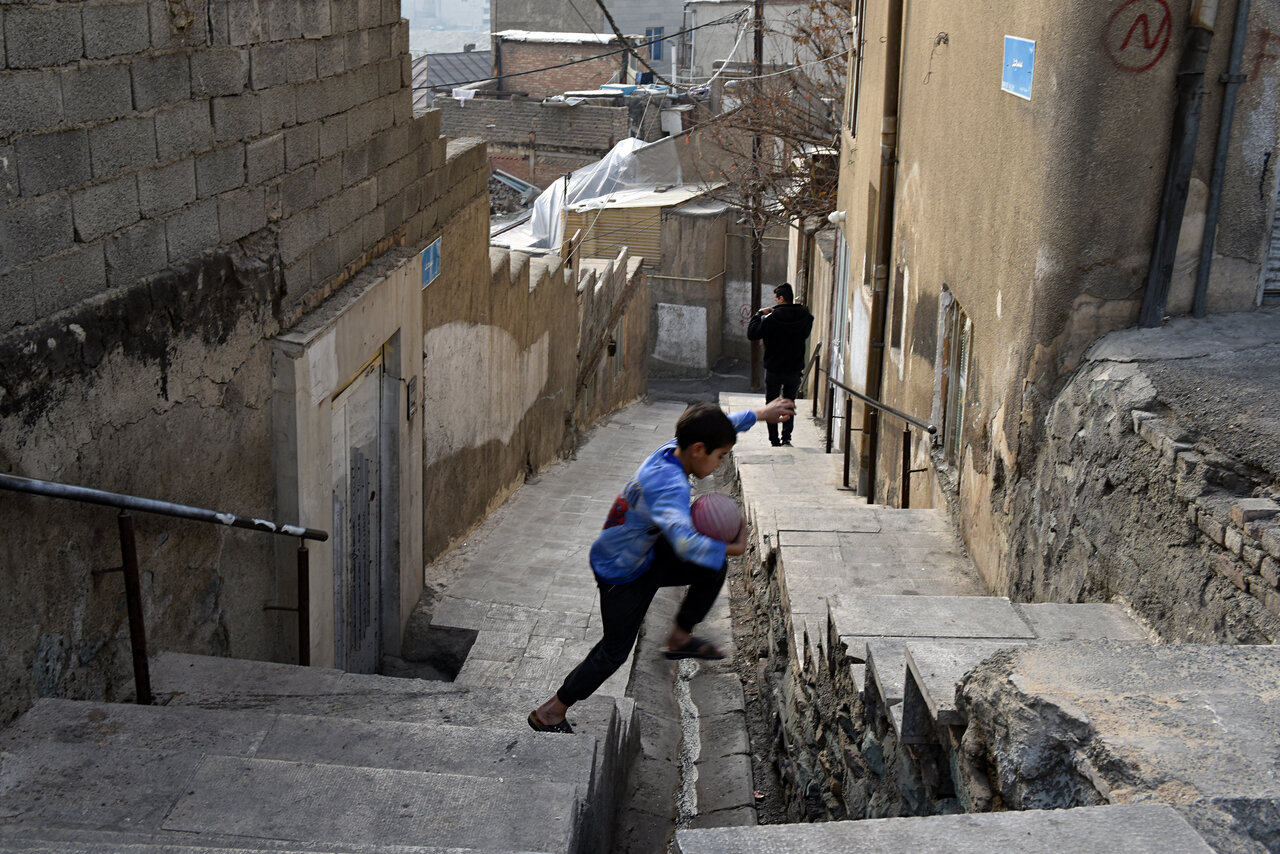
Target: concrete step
x,y
17,839
915,678
1142,829
180,792
859,619
1053,621
223,683
440,748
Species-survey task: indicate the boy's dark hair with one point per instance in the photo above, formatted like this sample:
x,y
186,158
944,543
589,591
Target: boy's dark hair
x,y
705,423
784,290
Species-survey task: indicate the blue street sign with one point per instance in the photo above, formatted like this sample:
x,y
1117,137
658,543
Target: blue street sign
x,y
430,263
1019,63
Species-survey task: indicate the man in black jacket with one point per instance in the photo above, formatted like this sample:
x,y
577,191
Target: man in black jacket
x,y
783,328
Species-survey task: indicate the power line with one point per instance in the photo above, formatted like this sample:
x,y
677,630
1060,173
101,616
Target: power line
x,y
726,19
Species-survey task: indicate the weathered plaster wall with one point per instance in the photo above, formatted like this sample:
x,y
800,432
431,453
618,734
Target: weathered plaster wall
x,y
737,283
687,319
505,361
180,185
161,391
1036,216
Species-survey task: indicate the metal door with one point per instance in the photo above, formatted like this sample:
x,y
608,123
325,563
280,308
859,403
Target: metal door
x,y
357,521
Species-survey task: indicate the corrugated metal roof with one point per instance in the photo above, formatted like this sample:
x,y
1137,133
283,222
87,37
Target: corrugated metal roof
x,y
447,69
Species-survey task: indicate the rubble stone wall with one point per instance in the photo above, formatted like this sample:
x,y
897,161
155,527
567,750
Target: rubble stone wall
x,y
1116,482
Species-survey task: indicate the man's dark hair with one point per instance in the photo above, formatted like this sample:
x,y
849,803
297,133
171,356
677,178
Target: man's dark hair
x,y
705,423
784,290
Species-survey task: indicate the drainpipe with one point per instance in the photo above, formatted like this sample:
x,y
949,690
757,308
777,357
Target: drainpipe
x,y
884,247
1233,78
1182,152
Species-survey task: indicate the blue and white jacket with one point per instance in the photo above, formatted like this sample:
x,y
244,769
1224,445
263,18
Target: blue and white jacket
x,y
655,503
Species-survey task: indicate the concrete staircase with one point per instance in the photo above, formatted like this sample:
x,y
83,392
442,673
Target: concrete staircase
x,y
254,756
876,619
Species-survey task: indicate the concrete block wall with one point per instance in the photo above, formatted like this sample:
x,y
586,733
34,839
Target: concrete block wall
x,y
139,134
585,128
180,183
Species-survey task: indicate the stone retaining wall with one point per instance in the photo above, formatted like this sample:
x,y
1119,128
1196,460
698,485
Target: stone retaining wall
x,y
1124,504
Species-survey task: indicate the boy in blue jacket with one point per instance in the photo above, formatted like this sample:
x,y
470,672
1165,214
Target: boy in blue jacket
x,y
649,542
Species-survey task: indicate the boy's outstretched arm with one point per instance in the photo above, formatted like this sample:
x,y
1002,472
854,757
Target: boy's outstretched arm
x,y
777,410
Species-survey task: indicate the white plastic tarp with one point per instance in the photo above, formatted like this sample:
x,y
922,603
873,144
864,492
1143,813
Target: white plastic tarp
x,y
631,164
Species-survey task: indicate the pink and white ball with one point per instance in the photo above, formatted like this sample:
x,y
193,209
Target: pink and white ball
x,y
717,516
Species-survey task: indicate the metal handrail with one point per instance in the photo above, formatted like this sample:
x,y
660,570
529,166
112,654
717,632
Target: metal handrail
x,y
129,556
876,408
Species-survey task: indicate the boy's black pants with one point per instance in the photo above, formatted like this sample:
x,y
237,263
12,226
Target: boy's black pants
x,y
622,610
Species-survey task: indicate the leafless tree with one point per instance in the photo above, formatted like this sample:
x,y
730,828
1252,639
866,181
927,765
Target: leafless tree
x,y
777,139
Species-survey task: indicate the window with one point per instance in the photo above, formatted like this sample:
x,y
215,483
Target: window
x,y
655,47
854,87
955,344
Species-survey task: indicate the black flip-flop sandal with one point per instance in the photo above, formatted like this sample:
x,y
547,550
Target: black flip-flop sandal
x,y
695,647
539,726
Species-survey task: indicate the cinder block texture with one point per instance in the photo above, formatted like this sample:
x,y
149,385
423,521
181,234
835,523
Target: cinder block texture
x,y
114,29
159,80
166,188
192,230
51,161
42,36
122,144
264,158
240,213
64,279
267,65
104,208
183,129
221,71
93,93
32,229
220,170
136,252
29,101
236,117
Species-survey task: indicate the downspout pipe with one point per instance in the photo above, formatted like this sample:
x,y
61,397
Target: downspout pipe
x,y
1232,80
1182,153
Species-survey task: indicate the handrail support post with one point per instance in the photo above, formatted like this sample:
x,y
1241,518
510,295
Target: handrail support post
x,y
848,437
133,603
831,402
304,605
906,468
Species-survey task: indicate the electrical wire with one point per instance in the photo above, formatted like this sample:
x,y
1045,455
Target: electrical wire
x,y
726,19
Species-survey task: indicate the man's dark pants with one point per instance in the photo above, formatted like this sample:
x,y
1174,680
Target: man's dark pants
x,y
622,610
779,384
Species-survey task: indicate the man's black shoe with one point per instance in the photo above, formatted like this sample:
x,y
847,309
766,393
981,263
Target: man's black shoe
x,y
775,444
787,442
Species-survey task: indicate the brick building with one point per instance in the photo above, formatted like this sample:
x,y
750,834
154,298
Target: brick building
x,y
571,60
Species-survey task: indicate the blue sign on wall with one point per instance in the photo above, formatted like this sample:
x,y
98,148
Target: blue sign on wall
x,y
1019,63
431,263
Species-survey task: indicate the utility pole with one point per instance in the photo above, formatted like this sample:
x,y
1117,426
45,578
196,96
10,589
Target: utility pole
x,y
757,380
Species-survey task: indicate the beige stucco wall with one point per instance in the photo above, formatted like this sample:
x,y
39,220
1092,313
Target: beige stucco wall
x,y
687,289
311,364
1039,215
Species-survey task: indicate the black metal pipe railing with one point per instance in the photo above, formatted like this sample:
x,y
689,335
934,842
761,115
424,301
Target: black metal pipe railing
x,y
876,408
129,556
